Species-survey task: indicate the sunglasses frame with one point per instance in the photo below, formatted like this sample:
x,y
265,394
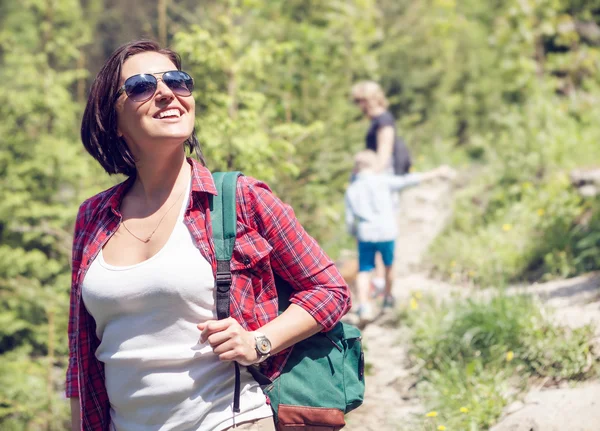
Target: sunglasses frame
x,y
122,89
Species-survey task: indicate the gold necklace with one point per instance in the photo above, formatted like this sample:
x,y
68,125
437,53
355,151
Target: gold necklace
x,y
146,240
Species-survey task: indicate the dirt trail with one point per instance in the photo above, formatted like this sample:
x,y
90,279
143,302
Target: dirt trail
x,y
390,399
391,402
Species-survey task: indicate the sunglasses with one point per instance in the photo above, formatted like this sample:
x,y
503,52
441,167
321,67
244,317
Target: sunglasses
x,y
142,87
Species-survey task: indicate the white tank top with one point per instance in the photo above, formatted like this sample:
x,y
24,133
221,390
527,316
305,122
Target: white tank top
x,y
157,374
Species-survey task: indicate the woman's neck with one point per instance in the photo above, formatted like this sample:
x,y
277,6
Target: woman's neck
x,y
375,111
158,175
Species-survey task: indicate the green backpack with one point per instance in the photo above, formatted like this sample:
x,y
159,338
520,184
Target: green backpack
x,y
324,375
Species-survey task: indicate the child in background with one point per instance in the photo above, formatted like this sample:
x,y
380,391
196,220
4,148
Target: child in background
x,y
371,218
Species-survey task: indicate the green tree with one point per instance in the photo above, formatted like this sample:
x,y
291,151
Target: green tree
x,y
273,99
43,175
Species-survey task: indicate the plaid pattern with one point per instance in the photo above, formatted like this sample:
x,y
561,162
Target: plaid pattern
x,y
269,238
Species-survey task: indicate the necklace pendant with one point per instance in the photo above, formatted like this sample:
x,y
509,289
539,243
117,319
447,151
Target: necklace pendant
x,y
147,240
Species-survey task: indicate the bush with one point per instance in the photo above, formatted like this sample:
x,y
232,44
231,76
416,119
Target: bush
x,y
521,217
471,354
29,397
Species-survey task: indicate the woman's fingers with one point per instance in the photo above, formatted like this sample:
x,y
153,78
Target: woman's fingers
x,y
236,350
218,338
227,346
229,340
213,326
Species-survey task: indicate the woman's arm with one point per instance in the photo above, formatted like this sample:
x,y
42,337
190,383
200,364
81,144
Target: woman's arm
x,y
71,385
290,327
385,147
320,296
296,257
75,415
233,343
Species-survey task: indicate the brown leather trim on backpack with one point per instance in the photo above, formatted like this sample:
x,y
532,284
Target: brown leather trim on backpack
x,y
300,418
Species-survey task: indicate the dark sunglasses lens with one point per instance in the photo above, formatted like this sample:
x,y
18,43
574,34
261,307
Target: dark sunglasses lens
x,y
140,88
179,82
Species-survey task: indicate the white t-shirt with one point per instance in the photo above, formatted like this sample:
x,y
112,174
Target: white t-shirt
x,y
157,374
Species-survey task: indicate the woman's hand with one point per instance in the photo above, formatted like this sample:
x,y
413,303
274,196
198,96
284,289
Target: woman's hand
x,y
229,340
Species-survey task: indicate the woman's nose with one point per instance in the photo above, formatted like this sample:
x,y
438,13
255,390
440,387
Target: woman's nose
x,y
163,92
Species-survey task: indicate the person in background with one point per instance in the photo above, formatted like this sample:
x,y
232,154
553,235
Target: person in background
x,y
382,138
146,351
371,219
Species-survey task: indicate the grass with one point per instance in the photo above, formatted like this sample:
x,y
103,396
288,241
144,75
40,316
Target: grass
x,y
521,217
519,231
476,356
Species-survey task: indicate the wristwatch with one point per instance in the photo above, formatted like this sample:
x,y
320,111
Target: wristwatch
x,y
263,346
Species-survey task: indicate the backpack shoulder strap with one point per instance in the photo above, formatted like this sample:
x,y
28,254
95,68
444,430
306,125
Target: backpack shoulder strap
x,y
224,223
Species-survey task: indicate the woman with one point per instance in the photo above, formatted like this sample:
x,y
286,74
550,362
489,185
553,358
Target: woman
x,y
381,137
392,155
146,350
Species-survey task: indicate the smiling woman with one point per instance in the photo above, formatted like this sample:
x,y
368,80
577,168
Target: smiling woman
x,y
100,128
146,350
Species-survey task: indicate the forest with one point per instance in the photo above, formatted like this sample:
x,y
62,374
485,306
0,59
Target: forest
x,y
505,91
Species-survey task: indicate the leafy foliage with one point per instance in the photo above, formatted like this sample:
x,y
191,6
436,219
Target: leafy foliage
x,y
471,352
506,89
274,101
43,175
522,217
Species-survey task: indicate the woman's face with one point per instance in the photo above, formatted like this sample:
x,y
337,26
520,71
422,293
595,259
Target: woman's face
x,y
362,104
164,119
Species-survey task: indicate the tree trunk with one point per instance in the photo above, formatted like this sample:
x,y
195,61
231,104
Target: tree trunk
x,y
162,22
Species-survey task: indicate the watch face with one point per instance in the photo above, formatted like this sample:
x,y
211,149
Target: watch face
x,y
263,345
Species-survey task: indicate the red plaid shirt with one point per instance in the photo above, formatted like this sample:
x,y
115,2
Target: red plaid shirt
x,y
269,238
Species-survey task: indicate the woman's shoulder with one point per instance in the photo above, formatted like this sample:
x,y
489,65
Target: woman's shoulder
x,y
249,185
100,201
386,119
256,201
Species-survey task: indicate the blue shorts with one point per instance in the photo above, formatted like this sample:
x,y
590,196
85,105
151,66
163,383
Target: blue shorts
x,y
367,251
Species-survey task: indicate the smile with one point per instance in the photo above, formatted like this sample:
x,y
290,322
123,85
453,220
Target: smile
x,y
169,113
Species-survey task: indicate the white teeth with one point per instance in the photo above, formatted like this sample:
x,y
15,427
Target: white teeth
x,y
169,113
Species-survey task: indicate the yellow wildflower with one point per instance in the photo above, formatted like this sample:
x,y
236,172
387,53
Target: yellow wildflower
x,y
527,185
441,428
414,304
418,295
431,414
506,227
510,355
464,410
541,212
453,263
471,273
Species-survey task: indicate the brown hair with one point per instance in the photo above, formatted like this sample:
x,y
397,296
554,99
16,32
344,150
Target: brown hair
x,y
99,122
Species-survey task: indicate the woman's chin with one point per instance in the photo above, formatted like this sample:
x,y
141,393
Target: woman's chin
x,y
172,133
